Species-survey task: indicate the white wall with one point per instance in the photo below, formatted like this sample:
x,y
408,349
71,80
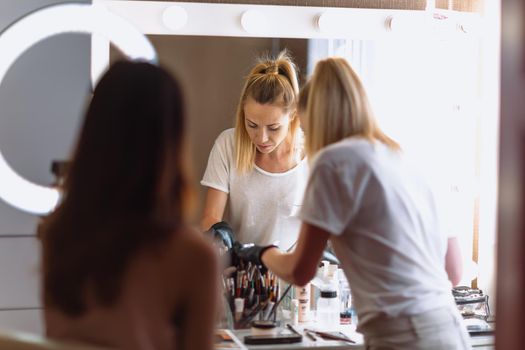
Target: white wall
x,y
438,99
41,102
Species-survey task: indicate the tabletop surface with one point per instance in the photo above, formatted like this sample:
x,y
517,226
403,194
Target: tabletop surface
x,y
319,343
478,342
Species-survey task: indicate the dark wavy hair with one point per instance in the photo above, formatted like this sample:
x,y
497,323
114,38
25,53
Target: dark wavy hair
x,y
127,188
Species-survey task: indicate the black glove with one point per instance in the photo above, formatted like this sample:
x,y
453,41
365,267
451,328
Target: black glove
x,y
222,232
250,252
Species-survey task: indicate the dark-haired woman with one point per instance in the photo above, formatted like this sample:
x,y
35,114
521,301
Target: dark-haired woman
x,y
121,268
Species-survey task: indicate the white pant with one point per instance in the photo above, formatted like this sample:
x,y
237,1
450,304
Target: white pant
x,y
440,329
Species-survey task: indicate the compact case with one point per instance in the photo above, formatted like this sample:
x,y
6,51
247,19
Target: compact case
x,y
264,327
471,302
474,307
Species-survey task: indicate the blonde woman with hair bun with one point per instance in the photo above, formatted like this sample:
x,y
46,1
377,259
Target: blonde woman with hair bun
x,y
258,168
380,217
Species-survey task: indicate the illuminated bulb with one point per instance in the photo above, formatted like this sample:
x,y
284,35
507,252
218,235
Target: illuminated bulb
x,y
408,25
254,21
320,21
328,22
462,28
174,17
50,21
390,23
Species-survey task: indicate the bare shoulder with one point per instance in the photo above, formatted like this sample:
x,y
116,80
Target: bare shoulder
x,y
189,266
189,247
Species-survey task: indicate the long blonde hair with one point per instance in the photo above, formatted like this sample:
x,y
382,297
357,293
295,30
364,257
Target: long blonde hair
x,y
337,108
271,81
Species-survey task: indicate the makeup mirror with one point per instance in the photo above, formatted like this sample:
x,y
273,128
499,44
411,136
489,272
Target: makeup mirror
x,y
425,73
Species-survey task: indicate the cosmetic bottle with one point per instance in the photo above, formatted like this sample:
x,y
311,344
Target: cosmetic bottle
x,y
327,315
239,308
303,296
345,297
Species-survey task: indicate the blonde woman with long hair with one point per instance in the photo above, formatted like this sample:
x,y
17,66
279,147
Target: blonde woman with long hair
x,y
378,214
259,168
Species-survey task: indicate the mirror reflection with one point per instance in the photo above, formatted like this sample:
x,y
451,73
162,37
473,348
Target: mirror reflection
x,y
212,70
423,93
296,271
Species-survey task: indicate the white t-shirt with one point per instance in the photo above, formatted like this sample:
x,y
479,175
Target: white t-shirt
x,y
384,228
262,206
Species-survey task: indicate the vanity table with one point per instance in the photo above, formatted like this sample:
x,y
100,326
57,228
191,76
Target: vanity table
x,y
482,342
319,343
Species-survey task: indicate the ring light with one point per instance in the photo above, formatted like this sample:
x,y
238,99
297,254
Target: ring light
x,y
37,26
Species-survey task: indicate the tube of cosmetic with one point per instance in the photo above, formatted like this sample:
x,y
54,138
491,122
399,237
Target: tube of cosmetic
x,y
239,308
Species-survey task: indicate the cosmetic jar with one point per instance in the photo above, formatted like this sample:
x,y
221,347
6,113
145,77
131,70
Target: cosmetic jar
x,y
264,327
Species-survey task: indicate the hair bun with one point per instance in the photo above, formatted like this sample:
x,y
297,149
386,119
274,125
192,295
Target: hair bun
x,y
272,69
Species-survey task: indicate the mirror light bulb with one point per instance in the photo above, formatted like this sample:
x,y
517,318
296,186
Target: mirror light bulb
x,y
174,17
254,21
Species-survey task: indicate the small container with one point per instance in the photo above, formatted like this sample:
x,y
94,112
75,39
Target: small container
x,y
303,292
345,297
294,312
239,308
328,309
332,273
303,296
264,327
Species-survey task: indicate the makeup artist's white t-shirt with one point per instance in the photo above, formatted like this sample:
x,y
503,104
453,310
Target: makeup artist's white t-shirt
x,y
384,228
262,206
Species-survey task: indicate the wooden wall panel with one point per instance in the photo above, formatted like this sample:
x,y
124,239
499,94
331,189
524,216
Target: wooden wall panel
x,y
458,5
510,306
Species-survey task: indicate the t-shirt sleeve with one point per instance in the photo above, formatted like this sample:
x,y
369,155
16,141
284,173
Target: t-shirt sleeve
x,y
327,201
217,173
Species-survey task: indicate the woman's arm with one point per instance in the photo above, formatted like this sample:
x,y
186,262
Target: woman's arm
x,y
453,264
299,266
213,208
